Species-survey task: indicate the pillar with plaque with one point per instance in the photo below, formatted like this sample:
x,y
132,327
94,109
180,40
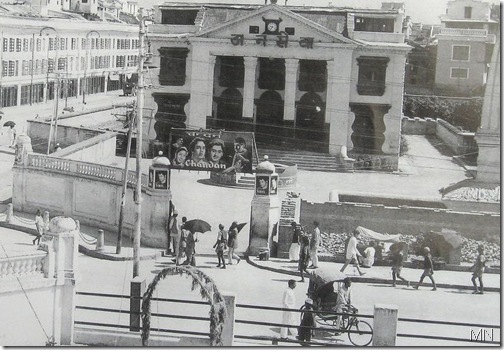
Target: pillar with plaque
x,y
157,203
265,209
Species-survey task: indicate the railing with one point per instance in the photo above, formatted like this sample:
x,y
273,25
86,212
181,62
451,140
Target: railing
x,y
257,323
473,331
22,265
463,32
161,324
83,168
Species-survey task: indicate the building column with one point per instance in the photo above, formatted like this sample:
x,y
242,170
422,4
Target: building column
x,y
291,68
211,70
249,86
200,93
339,84
395,83
18,102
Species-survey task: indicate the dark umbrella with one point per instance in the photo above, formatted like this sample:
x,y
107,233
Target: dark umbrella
x,y
240,226
9,123
197,225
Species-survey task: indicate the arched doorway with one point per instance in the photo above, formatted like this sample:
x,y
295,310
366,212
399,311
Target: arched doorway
x,y
368,128
310,121
229,109
269,117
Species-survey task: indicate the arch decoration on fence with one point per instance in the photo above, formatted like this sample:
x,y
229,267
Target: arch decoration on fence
x,y
208,290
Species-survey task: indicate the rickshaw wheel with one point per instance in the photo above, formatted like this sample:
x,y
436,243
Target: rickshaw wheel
x,y
360,339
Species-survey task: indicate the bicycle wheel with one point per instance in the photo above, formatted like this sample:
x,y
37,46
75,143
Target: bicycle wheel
x,y
360,339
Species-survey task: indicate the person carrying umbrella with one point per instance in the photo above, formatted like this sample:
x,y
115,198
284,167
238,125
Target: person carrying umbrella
x,y
190,230
233,243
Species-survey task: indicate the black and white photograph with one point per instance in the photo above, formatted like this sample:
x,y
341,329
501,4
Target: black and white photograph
x,y
250,173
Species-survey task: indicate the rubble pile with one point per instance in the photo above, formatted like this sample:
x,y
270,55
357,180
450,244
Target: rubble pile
x,y
334,243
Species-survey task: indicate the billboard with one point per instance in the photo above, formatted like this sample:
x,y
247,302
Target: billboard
x,y
211,150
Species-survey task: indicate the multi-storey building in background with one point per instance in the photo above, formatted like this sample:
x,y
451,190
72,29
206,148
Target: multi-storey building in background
x,y
48,49
465,44
323,78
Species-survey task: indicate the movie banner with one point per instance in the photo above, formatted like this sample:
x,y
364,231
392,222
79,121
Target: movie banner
x,y
211,150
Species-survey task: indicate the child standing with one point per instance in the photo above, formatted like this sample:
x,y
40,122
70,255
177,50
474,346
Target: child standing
x,y
220,246
307,320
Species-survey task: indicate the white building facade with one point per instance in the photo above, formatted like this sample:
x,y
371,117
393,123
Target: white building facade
x,y
314,78
42,57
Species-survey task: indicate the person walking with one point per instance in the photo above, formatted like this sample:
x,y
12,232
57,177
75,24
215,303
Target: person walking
x,y
39,224
294,247
304,254
220,246
314,245
397,264
352,253
288,302
190,249
175,233
479,269
47,220
182,242
307,320
233,243
428,269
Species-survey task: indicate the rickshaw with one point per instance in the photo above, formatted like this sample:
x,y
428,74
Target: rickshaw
x,y
323,290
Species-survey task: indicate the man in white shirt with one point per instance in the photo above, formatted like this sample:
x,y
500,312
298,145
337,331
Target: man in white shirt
x,y
369,255
344,300
352,253
288,302
314,244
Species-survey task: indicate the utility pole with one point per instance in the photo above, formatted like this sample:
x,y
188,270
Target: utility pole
x,y
130,118
139,121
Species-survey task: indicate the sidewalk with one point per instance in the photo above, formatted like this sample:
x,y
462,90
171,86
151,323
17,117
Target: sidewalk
x,y
382,274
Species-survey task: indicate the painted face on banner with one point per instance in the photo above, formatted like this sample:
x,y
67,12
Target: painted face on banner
x,y
199,150
216,153
181,156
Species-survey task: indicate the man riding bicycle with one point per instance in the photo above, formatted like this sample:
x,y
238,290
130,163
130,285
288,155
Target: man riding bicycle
x,y
344,301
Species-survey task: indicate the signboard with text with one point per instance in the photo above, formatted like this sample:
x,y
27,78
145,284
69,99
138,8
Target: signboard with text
x,y
211,150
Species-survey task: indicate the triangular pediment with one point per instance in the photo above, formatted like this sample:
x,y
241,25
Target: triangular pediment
x,y
287,20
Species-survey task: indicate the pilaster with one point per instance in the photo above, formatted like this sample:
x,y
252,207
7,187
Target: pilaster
x,y
338,99
249,86
211,68
291,69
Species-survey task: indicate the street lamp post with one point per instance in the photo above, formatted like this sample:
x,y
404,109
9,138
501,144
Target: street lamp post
x,y
88,48
139,121
54,116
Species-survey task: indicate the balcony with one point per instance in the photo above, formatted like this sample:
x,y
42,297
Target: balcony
x,y
378,37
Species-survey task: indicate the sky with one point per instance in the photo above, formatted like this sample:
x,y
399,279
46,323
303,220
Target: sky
x,y
424,11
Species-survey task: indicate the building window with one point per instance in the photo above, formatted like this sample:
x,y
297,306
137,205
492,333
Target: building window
x,y
460,52
13,70
5,68
173,66
121,61
232,71
26,44
18,45
12,45
83,43
467,12
74,44
50,65
372,73
25,70
5,45
62,64
459,73
39,44
364,24
312,75
179,17
9,96
271,74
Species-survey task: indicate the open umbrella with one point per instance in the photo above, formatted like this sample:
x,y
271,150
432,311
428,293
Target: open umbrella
x,y
9,123
240,226
197,225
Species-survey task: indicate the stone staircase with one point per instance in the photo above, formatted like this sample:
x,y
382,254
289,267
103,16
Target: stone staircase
x,y
305,160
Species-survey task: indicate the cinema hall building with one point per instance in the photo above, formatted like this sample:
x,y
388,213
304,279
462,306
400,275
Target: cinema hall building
x,y
319,78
